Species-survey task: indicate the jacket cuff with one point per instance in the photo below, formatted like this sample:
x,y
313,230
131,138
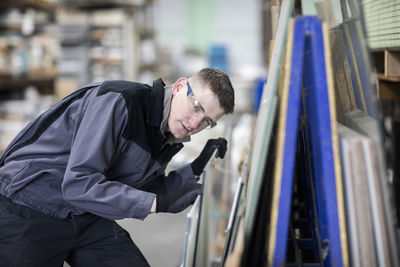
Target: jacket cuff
x,y
145,206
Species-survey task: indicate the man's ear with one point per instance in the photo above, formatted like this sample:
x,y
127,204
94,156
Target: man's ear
x,y
178,85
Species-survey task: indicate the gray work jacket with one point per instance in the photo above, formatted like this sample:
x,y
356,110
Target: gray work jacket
x,y
99,150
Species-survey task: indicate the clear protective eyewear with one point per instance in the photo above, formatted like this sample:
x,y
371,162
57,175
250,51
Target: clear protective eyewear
x,y
197,110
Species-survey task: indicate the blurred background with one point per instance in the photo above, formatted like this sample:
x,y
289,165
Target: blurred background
x,y
49,48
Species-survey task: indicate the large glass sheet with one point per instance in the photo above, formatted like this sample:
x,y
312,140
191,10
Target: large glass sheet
x,y
265,119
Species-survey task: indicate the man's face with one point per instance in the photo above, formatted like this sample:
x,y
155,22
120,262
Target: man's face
x,y
190,115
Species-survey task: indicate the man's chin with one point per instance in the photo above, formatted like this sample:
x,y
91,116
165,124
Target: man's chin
x,y
179,134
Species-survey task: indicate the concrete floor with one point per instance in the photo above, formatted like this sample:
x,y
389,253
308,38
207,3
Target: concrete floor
x,y
160,237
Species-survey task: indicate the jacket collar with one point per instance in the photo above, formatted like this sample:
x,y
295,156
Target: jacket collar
x,y
155,113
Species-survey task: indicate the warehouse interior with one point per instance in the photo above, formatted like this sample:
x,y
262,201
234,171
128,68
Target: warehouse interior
x,y
263,204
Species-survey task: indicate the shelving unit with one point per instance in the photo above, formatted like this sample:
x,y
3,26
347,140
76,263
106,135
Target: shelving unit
x,y
28,53
28,63
111,44
382,22
49,6
45,84
120,39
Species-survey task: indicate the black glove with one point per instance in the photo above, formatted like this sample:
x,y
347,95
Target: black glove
x,y
212,144
180,199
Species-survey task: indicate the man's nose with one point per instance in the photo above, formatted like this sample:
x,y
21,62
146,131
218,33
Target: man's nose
x,y
196,121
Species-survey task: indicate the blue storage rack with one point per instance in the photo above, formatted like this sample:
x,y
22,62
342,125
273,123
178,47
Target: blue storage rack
x,y
308,228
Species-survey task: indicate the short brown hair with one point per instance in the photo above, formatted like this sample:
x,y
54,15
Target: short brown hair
x,y
221,85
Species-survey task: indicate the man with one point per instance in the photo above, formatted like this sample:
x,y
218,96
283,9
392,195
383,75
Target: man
x,y
99,155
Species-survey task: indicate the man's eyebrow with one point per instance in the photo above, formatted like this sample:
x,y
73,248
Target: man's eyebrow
x,y
198,102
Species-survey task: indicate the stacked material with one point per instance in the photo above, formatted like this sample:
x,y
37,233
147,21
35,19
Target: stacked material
x,y
313,191
102,3
382,23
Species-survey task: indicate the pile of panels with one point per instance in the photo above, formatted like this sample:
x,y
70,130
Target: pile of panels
x,y
382,23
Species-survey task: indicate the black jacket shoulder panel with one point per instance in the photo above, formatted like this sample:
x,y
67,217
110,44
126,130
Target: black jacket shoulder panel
x,y
145,110
123,87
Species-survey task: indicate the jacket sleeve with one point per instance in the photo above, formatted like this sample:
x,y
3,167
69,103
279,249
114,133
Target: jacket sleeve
x,y
85,185
163,185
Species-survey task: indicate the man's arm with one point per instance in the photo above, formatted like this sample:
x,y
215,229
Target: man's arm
x,y
163,185
193,170
189,173
85,184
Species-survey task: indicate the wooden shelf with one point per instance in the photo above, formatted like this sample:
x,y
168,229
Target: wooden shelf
x,y
103,4
23,4
110,61
382,76
388,87
13,83
11,28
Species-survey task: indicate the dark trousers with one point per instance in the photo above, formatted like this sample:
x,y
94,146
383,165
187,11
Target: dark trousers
x,y
29,238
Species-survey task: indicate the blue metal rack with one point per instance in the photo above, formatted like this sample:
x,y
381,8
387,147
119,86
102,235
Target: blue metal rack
x,y
307,114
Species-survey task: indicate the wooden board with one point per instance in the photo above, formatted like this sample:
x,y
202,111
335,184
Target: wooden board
x,y
392,62
360,67
387,253
388,89
344,92
357,198
289,109
382,207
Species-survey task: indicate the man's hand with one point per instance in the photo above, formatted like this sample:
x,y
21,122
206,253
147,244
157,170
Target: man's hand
x,y
200,162
180,199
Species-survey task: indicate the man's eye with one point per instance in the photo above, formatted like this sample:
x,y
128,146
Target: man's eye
x,y
196,106
207,121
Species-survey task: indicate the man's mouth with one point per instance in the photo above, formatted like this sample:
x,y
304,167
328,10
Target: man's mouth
x,y
186,129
